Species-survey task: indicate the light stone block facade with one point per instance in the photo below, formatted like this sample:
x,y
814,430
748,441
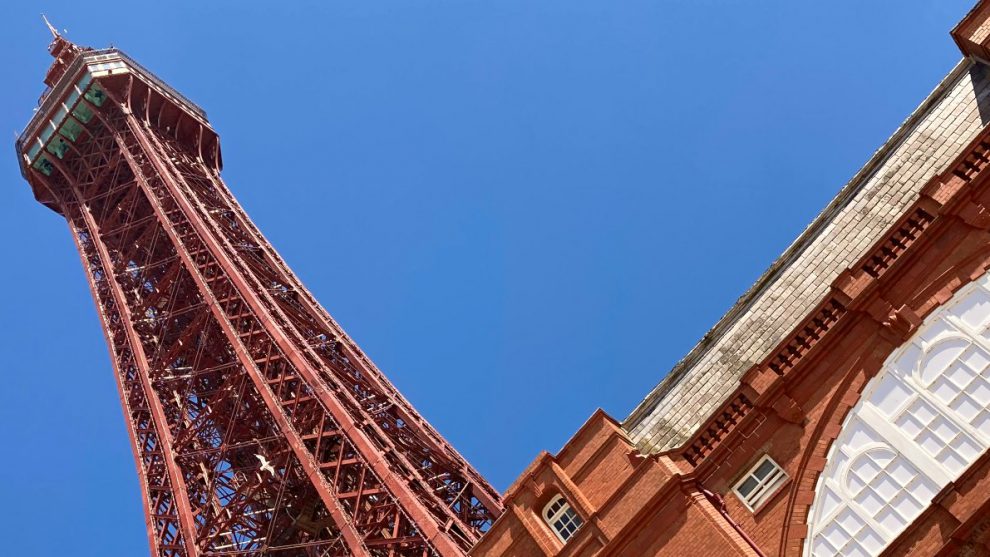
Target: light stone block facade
x,y
862,211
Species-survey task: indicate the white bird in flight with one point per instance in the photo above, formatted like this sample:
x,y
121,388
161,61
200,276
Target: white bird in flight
x,y
265,465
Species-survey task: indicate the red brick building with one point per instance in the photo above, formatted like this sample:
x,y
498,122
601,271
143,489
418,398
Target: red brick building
x,y
842,407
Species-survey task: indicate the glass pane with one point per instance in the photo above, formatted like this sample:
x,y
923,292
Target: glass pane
x,y
46,132
764,469
59,114
35,147
84,80
71,99
747,487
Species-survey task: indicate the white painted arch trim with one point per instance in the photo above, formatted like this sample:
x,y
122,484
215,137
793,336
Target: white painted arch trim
x,y
921,422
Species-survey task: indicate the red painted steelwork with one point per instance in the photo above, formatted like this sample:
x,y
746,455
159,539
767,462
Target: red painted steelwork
x,y
258,426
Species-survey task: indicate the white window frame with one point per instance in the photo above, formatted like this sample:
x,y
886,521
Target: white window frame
x,y
765,488
914,415
562,513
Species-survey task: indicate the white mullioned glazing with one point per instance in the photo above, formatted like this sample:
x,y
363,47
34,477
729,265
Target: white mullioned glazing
x,y
760,482
561,518
921,422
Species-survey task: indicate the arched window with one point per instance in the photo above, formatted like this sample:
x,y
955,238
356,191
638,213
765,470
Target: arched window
x,y
561,517
921,422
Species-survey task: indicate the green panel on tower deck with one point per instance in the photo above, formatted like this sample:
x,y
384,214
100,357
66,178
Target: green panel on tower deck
x,y
58,147
83,113
44,166
71,129
96,95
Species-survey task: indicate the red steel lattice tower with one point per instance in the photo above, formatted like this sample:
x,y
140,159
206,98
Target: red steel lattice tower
x,y
258,426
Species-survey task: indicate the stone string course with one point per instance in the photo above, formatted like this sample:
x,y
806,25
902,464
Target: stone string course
x,y
799,280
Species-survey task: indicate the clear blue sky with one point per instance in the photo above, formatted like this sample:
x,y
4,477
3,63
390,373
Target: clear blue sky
x,y
521,210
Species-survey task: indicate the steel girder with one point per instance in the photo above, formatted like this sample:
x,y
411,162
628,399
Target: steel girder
x,y
258,426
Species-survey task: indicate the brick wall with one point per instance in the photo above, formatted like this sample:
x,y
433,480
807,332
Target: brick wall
x,y
647,493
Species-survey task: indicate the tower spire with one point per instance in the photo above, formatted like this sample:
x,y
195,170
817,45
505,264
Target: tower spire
x,y
55,33
62,50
